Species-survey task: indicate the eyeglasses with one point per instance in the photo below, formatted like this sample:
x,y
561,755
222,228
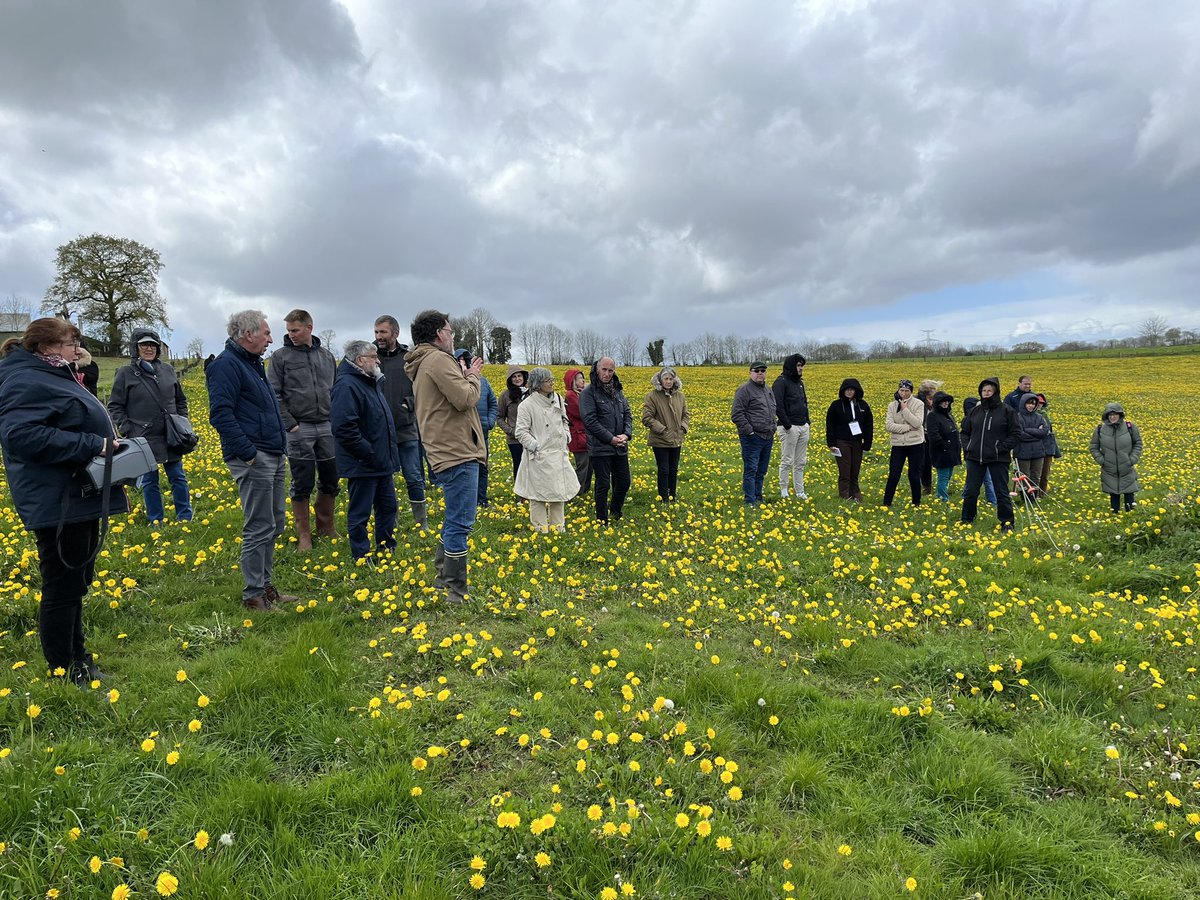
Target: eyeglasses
x,y
758,371
75,344
447,327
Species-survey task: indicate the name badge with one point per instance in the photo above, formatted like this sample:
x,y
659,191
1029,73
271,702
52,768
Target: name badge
x,y
855,429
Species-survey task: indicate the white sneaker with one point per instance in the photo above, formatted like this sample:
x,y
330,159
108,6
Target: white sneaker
x,y
802,496
784,494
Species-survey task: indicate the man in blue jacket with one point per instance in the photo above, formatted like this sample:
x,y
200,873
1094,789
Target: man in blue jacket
x,y
364,437
245,413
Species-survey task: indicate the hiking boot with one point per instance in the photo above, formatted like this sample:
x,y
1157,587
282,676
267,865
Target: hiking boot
x,y
258,604
274,598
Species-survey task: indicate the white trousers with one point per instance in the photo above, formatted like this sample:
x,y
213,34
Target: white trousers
x,y
544,515
793,456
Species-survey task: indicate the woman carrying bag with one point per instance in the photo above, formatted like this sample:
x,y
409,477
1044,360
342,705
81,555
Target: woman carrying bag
x,y
144,393
50,428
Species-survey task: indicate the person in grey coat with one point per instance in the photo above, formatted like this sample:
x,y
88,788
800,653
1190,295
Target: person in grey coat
x,y
1116,447
143,394
753,413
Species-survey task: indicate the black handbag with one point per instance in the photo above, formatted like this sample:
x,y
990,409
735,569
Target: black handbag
x,y
181,436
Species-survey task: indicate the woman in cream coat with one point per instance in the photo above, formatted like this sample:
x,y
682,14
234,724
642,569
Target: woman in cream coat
x,y
905,424
547,476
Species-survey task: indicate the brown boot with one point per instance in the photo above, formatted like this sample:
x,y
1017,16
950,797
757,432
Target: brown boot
x,y
258,604
324,510
300,512
274,598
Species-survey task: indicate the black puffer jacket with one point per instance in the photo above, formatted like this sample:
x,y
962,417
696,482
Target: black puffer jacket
x,y
142,395
990,431
605,415
1033,430
945,448
398,390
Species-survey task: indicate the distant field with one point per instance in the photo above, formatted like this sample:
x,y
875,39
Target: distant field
x,y
806,700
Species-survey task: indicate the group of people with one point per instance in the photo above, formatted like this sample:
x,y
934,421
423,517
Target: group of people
x,y
384,408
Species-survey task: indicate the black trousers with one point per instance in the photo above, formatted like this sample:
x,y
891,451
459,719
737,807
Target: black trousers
x,y
60,614
666,461
614,471
515,451
914,455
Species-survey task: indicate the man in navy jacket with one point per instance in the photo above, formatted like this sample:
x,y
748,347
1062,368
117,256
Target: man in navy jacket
x,y
245,412
364,437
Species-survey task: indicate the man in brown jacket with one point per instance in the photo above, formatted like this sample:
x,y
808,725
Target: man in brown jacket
x,y
452,434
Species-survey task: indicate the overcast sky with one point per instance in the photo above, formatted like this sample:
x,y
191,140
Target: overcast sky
x,y
812,170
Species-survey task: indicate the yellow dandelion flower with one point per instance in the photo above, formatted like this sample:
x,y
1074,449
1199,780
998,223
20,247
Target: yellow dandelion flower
x,y
94,864
478,863
201,839
121,892
724,843
704,828
910,883
543,860
594,812
682,821
845,850
478,881
166,884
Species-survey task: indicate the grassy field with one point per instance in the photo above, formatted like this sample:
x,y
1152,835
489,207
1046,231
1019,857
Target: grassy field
x,y
804,700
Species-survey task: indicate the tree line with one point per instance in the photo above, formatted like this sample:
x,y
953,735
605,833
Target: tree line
x,y
110,286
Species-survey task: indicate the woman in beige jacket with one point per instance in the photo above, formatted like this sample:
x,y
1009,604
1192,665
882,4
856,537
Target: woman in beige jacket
x,y
665,415
547,476
905,424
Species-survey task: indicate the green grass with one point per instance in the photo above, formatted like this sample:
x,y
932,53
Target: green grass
x,y
839,665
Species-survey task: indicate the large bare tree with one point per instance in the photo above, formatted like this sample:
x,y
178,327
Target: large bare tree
x,y
109,283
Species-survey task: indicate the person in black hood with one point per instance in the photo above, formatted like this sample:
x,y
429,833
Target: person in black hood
x,y
609,422
849,431
945,449
989,433
794,428
143,394
969,403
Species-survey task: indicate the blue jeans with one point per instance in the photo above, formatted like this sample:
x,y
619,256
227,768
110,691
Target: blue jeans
x,y
483,471
756,460
180,496
943,483
261,487
410,465
371,493
460,486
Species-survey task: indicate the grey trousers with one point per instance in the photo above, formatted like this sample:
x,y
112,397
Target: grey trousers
x,y
262,487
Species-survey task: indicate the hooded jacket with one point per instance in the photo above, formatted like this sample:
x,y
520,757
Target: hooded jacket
x,y
1033,430
791,399
364,435
945,448
1050,445
842,412
242,407
397,390
665,413
50,427
1117,450
990,431
605,415
546,472
905,421
510,399
142,395
578,442
302,378
446,407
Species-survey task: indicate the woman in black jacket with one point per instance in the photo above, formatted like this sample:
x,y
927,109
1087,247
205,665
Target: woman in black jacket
x,y
143,393
849,431
50,427
945,448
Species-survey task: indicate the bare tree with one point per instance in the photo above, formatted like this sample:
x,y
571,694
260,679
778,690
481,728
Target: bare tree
x,y
589,344
195,348
473,330
15,313
627,349
558,345
683,353
1152,330
329,342
532,338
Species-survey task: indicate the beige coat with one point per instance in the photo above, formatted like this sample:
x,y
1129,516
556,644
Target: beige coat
x,y
665,415
446,408
906,425
546,472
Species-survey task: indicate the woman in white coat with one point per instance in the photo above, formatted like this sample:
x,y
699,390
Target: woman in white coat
x,y
547,476
905,423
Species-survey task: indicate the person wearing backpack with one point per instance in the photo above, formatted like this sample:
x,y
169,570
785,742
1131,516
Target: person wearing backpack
x,y
1116,447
